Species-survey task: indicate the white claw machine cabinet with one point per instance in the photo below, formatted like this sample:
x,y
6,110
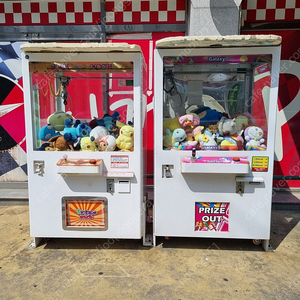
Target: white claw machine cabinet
x,y
85,114
215,113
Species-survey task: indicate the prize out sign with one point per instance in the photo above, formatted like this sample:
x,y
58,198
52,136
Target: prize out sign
x,y
211,216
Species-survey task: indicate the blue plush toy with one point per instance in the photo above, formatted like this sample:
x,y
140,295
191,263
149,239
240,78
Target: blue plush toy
x,y
47,132
108,121
208,115
70,131
83,130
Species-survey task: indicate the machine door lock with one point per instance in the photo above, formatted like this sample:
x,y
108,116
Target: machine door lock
x,y
167,173
240,187
110,185
38,167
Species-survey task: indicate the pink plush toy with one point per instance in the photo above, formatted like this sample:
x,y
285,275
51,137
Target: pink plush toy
x,y
189,120
190,124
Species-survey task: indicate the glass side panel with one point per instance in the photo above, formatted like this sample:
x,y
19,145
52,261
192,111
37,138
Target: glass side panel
x,y
216,102
82,106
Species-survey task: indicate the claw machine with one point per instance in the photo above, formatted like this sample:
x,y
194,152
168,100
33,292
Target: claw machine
x,y
85,114
215,113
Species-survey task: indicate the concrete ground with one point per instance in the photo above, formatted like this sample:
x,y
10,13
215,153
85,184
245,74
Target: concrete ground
x,y
177,268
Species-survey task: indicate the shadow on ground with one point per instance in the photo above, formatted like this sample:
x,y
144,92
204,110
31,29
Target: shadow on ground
x,y
282,222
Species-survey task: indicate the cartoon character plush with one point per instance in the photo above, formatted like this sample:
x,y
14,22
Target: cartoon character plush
x,y
171,124
254,138
227,127
88,144
211,129
207,142
108,121
189,123
83,130
70,131
47,132
107,143
58,143
125,140
98,133
208,116
179,136
57,120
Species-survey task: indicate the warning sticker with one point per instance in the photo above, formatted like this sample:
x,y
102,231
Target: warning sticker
x,y
119,161
260,163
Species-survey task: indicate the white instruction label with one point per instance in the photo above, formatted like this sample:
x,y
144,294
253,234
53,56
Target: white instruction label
x,y
119,161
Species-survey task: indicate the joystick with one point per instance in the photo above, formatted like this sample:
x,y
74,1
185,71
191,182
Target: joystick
x,y
194,154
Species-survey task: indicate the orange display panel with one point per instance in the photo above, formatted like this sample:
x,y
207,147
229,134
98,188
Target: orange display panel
x,y
86,213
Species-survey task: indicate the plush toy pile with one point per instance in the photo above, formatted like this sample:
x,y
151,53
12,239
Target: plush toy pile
x,y
208,129
64,133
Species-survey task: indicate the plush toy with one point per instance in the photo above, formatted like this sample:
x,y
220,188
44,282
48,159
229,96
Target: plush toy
x,y
207,142
227,127
189,123
194,135
208,116
83,130
179,136
88,144
47,132
108,121
171,124
70,131
211,129
98,133
93,123
57,120
58,143
46,147
168,139
125,140
107,143
241,122
254,138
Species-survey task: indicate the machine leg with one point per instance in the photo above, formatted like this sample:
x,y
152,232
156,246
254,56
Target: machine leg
x,y
266,245
148,240
34,243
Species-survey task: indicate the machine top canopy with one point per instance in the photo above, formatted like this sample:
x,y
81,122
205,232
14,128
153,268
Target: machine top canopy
x,y
79,47
219,41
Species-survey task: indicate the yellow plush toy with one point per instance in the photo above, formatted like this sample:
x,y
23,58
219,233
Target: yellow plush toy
x,y
88,144
125,140
171,124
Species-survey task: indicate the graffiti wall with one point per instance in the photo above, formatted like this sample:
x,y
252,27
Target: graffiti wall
x,y
13,163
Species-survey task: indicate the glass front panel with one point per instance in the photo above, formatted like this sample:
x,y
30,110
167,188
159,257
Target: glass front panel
x,y
216,102
82,106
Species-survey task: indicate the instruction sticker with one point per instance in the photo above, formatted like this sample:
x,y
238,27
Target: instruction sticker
x,y
212,216
260,163
119,161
